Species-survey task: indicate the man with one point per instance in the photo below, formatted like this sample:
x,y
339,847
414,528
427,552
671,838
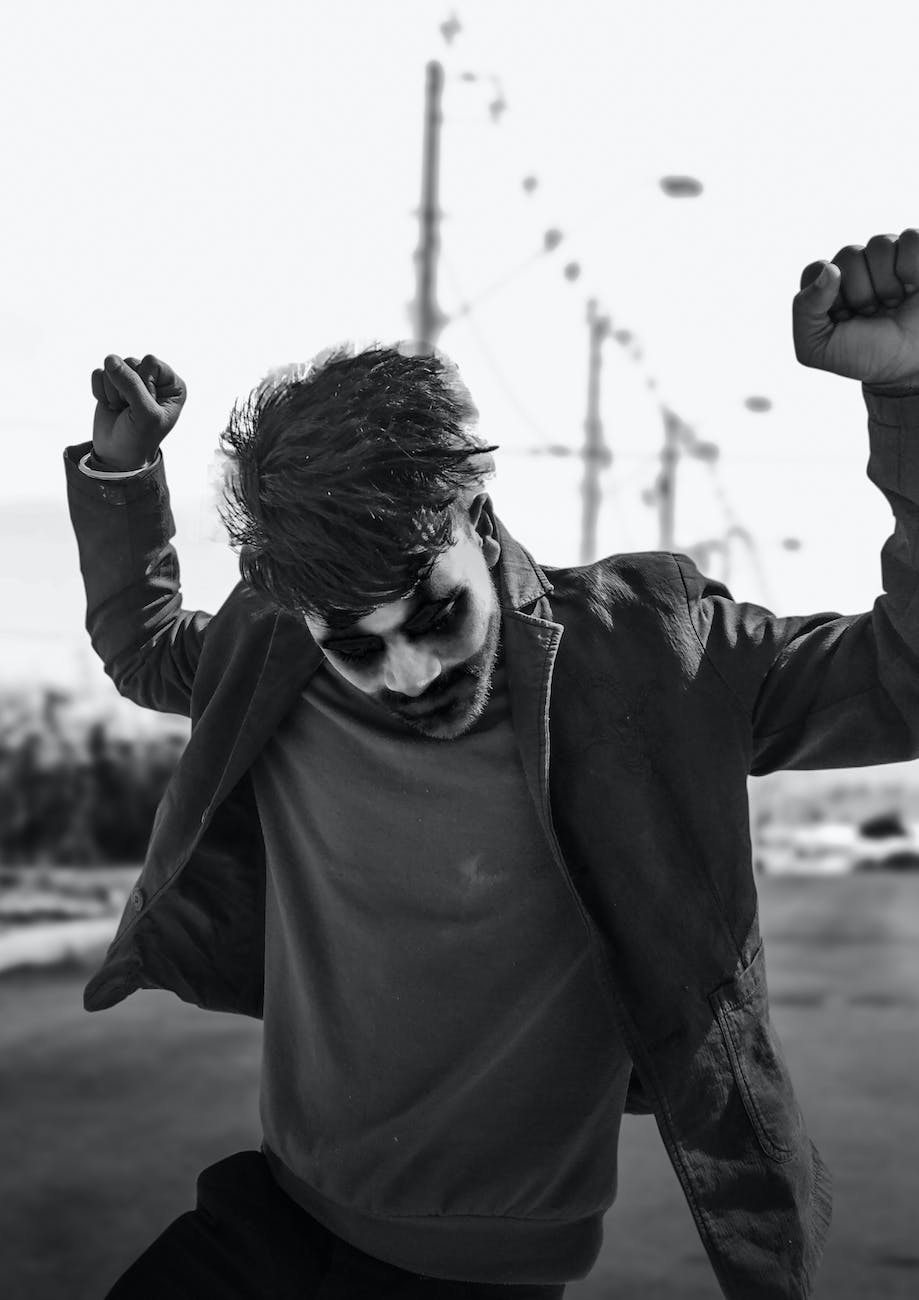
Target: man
x,y
473,834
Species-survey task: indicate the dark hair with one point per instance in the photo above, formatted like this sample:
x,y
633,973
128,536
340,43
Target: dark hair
x,y
343,477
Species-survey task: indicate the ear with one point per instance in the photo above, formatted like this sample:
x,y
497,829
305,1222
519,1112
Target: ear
x,y
482,523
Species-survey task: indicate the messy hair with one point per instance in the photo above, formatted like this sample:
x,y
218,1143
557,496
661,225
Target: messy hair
x,y
342,475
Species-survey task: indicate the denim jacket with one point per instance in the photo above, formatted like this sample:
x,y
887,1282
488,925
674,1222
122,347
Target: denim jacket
x,y
642,697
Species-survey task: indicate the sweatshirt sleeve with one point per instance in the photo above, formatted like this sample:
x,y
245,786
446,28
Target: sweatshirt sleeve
x,y
828,690
149,645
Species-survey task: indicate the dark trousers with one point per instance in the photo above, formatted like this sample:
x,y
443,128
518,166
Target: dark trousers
x,y
247,1240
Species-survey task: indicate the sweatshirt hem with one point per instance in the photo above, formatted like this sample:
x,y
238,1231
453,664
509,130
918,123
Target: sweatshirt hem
x,y
456,1247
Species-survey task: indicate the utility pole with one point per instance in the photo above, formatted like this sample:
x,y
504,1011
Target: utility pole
x,y
596,455
426,317
666,483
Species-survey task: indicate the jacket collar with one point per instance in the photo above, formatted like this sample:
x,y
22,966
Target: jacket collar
x,y
521,581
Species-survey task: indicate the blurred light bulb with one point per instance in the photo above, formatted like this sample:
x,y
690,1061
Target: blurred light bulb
x,y
681,187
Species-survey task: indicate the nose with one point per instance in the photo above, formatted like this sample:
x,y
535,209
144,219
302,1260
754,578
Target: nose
x,y
410,669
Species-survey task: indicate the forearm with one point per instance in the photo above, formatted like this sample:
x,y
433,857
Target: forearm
x,y
124,527
846,691
828,690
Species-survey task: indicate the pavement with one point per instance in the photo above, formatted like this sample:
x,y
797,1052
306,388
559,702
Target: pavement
x,y
106,1119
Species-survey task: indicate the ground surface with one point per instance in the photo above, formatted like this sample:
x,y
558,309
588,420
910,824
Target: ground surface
x,y
105,1120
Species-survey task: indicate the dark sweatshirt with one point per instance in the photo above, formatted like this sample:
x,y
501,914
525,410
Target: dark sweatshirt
x,y
442,1083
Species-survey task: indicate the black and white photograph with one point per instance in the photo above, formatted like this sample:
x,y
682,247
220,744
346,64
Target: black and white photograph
x,y
459,653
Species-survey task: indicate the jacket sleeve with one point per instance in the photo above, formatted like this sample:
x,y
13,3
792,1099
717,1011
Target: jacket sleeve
x,y
828,690
149,645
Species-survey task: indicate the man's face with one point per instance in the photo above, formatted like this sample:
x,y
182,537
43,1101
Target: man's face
x,y
429,658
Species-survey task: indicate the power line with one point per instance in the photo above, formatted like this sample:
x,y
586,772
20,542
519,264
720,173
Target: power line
x,y
679,436
528,418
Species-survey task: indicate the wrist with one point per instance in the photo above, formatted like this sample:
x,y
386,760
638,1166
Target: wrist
x,y
108,466
909,384
93,471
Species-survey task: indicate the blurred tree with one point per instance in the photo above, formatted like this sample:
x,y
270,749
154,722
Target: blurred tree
x,y
72,792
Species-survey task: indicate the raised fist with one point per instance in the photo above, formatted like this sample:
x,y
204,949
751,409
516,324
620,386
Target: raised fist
x,y
858,315
137,403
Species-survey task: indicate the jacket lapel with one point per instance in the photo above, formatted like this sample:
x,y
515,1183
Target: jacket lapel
x,y
266,693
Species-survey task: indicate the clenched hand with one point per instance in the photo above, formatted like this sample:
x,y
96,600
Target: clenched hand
x,y
858,315
137,403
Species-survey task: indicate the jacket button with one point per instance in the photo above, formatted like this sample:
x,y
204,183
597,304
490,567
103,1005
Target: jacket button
x,y
137,899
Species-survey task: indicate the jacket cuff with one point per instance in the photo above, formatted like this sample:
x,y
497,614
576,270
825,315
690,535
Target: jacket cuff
x,y
117,489
896,407
893,429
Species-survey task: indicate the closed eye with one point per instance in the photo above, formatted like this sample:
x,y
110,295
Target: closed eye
x,y
363,654
355,656
441,623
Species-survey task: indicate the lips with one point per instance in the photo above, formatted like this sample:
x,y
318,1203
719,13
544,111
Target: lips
x,y
441,705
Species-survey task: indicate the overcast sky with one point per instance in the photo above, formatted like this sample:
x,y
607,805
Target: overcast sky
x,y
234,186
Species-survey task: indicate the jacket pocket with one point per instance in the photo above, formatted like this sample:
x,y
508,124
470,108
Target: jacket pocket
x,y
757,1060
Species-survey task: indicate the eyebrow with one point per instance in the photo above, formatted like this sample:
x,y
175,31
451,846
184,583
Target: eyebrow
x,y
423,614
